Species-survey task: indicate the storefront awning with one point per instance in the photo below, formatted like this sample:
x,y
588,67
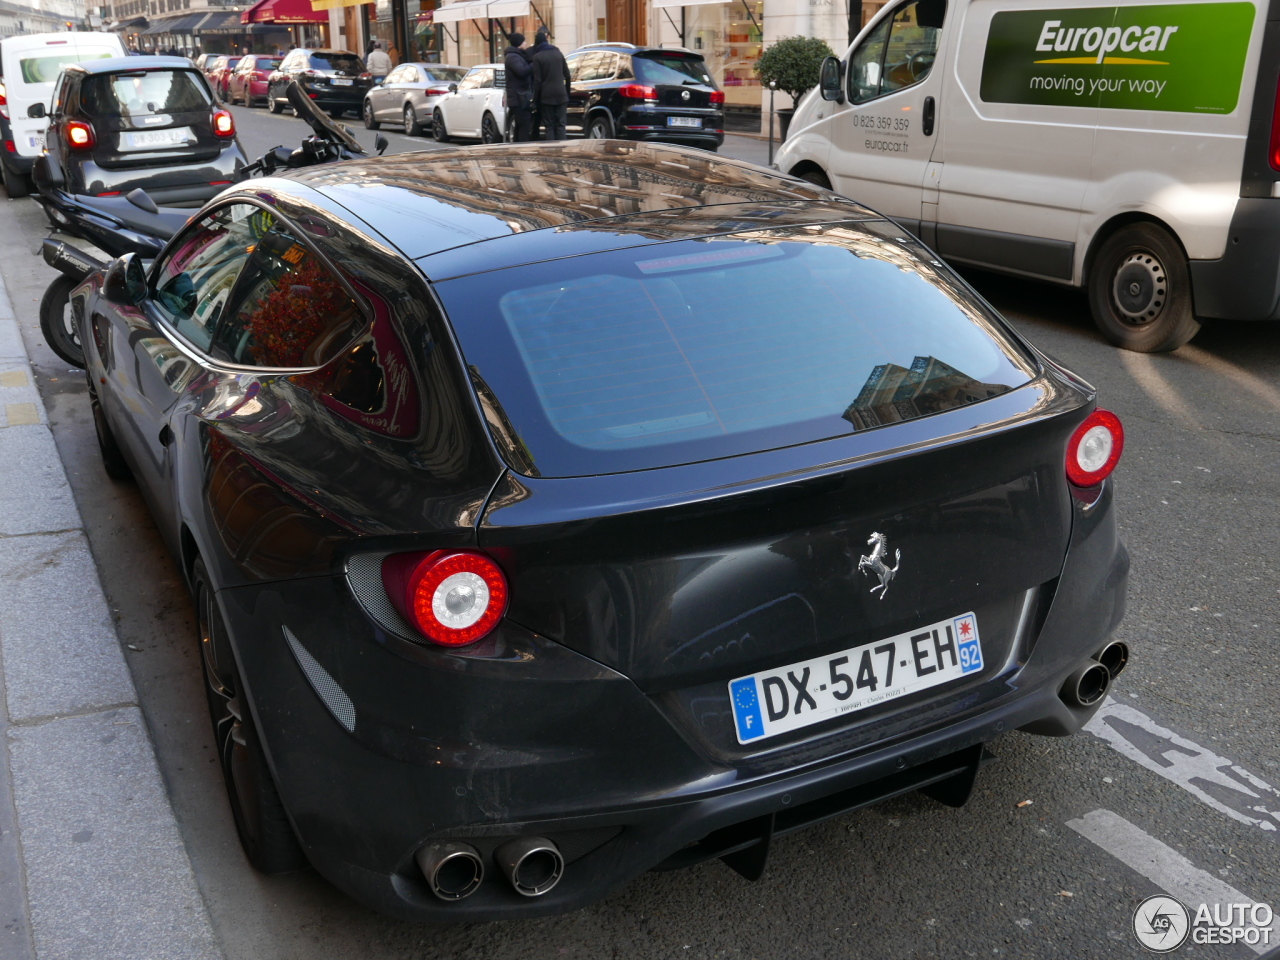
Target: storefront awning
x,y
134,25
335,4
283,11
684,3
481,10
176,24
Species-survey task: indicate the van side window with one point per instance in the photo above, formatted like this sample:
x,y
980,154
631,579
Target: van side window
x,y
899,52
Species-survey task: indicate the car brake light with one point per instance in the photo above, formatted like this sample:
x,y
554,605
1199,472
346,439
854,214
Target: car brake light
x,y
638,91
4,100
224,125
110,193
453,597
1275,132
717,96
10,146
79,135
1094,449
436,91
219,183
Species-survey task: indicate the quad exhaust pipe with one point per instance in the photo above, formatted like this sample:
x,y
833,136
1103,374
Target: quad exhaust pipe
x,y
1090,682
453,870
533,865
1115,657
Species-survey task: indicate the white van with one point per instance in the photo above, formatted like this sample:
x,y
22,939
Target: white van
x,y
1133,149
28,67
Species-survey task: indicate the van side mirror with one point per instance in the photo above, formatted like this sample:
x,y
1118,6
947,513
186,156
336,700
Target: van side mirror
x,y
36,111
125,284
831,80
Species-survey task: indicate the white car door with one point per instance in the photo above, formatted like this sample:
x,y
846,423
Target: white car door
x,y
463,116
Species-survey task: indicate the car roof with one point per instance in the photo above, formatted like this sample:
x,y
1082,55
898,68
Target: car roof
x,y
631,48
541,201
486,66
322,50
131,64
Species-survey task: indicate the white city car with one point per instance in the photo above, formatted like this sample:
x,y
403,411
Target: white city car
x,y
474,109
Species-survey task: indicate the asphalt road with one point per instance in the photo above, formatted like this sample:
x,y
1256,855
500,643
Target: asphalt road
x,y
1172,794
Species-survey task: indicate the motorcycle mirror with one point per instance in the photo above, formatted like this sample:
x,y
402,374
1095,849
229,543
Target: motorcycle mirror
x,y
281,155
36,111
380,143
125,284
142,200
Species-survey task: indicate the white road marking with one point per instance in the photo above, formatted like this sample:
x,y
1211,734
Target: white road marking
x,y
1162,865
1215,780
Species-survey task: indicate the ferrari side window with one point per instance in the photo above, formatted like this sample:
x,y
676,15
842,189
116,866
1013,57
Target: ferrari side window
x,y
193,283
289,309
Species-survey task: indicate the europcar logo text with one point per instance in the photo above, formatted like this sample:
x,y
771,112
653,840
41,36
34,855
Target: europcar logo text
x,y
1053,36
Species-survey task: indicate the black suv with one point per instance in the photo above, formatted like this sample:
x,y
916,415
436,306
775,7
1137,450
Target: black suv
x,y
335,79
627,92
127,122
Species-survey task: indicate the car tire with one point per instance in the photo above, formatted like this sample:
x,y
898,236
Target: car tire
x,y
57,323
266,835
113,462
600,127
369,122
15,184
490,132
273,104
1140,290
412,127
816,177
438,131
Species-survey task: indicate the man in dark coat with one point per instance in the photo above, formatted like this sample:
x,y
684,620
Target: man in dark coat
x,y
550,86
519,95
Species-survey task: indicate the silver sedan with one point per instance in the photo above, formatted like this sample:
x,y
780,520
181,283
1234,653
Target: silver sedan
x,y
409,94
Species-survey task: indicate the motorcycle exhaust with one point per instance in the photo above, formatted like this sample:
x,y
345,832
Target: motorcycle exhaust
x,y
453,870
74,263
1086,686
534,865
1115,657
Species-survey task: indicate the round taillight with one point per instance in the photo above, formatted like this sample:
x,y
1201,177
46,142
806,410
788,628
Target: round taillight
x,y
224,125
79,135
1095,449
452,597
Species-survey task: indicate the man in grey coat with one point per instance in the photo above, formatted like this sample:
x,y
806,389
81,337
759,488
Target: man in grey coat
x,y
550,86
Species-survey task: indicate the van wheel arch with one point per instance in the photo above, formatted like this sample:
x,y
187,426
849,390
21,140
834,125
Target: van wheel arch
x,y
811,172
1110,227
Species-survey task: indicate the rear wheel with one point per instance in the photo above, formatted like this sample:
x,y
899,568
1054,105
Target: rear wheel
x,y
369,122
600,128
489,130
265,832
438,131
57,322
1140,290
15,184
411,125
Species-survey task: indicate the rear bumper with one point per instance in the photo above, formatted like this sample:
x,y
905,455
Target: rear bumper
x,y
1245,283
18,163
167,183
526,737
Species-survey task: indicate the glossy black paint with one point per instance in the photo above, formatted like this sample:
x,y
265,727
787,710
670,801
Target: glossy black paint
x,y
597,713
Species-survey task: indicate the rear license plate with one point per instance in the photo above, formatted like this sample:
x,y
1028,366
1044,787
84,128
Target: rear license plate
x,y
341,83
684,121
35,141
150,139
776,701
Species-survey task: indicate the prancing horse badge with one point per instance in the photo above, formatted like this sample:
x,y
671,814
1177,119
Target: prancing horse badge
x,y
874,562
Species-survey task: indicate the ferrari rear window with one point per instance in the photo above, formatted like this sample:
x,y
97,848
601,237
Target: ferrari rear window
x,y
698,349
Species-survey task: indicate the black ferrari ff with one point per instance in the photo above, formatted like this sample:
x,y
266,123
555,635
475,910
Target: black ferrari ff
x,y
559,512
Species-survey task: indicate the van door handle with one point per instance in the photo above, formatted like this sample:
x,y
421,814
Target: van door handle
x,y
928,116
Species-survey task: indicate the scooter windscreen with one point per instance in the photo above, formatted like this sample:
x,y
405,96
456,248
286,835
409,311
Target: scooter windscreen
x,y
316,118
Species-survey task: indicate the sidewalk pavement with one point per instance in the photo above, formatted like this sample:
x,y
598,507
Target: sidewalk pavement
x,y
92,866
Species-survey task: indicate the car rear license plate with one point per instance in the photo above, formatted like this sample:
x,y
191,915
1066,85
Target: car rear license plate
x,y
341,83
684,121
777,701
35,141
150,139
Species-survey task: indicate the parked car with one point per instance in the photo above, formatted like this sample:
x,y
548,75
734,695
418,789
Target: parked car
x,y
562,512
409,95
474,108
129,122
29,66
201,60
644,93
210,64
335,79
1122,172
248,82
220,75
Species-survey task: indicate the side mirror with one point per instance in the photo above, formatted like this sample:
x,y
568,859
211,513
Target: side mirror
x,y
453,88
380,143
830,80
36,111
125,284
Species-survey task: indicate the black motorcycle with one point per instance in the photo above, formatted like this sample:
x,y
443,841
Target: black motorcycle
x,y
136,224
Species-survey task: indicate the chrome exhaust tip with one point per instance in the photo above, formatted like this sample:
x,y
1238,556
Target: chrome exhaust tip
x,y
533,865
453,870
1087,685
1115,657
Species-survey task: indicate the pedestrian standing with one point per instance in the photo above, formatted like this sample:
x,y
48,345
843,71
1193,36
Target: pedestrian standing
x,y
519,95
379,63
550,86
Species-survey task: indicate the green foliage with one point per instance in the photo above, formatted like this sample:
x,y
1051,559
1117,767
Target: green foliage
x,y
793,63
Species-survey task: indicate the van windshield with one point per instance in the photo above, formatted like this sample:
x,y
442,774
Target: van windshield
x,y
143,94
45,69
699,349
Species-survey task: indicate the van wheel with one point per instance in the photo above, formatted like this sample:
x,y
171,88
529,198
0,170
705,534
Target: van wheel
x,y
816,177
265,832
1140,290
